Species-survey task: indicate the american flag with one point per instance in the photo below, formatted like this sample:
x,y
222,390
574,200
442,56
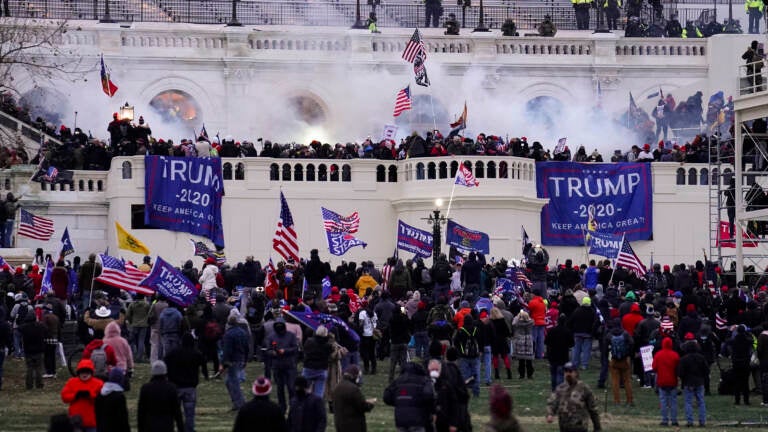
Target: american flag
x,y
51,174
464,177
413,47
285,242
335,222
720,322
36,227
518,274
115,272
629,259
402,101
202,250
667,325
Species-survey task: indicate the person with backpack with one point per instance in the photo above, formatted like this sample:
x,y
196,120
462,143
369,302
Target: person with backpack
x,y
522,329
170,328
102,358
119,344
620,346
18,315
468,349
413,396
80,394
400,335
184,364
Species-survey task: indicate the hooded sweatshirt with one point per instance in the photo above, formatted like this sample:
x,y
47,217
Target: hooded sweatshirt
x,y
81,395
123,353
632,319
665,364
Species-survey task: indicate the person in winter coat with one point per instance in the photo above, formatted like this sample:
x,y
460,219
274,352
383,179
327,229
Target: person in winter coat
x,y
317,353
184,365
538,311
260,412
502,419
33,334
451,397
101,371
741,352
159,407
559,340
283,348
155,340
208,277
582,323
110,405
500,345
573,403
349,403
522,327
413,396
170,328
620,346
467,345
665,363
123,353
137,318
80,393
307,413
692,369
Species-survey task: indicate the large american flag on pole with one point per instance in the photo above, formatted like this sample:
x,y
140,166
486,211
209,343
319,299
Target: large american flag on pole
x,y
334,222
285,241
115,272
628,258
402,101
413,47
36,227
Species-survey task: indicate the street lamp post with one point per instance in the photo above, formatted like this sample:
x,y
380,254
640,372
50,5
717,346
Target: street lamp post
x,y
436,220
106,18
481,27
359,24
234,22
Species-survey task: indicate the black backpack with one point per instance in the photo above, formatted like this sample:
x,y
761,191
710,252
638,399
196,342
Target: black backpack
x,y
442,272
21,314
470,349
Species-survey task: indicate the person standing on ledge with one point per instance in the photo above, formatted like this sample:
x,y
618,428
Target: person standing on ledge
x,y
433,9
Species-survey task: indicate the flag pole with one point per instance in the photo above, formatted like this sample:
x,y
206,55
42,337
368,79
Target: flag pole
x,y
610,281
434,120
450,200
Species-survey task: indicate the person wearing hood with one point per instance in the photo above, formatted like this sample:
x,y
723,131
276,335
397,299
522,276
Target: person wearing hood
x,y
741,351
620,346
665,363
317,354
80,394
120,346
208,277
502,419
110,406
307,413
235,355
413,396
349,403
282,347
20,310
522,341
582,323
158,407
184,364
558,341
631,320
692,369
170,328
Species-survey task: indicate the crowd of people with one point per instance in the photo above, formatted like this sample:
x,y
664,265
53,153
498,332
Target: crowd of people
x,y
447,330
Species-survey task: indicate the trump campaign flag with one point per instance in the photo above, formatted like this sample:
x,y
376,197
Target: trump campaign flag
x,y
169,282
339,243
464,177
604,244
326,286
726,240
414,240
46,286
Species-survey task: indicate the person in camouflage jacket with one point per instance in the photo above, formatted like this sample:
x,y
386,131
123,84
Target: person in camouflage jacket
x,y
573,403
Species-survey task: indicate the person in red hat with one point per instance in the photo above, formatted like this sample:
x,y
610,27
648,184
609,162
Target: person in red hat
x,y
645,154
209,275
665,364
691,322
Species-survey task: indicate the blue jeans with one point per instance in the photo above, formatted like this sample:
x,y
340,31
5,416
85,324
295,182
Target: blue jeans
x,y
668,402
188,398
556,375
487,357
470,368
582,350
421,340
284,378
235,375
316,378
138,338
538,341
690,393
352,358
18,347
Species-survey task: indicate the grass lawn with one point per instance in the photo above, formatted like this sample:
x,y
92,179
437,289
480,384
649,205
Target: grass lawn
x,y
22,410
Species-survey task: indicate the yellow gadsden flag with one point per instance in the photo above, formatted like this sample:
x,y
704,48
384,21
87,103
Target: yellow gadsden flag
x,y
129,242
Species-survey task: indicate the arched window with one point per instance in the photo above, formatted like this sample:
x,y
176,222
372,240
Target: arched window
x,y
680,176
443,170
704,176
226,171
298,172
479,170
392,174
693,177
127,170
419,171
431,171
322,173
454,168
491,169
310,172
503,170
381,174
240,171
334,173
346,173
274,172
90,186
286,172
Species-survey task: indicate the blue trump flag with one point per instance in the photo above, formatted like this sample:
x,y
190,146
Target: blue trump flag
x,y
66,244
466,239
169,282
414,240
46,286
503,286
314,320
326,287
339,243
605,244
618,195
185,194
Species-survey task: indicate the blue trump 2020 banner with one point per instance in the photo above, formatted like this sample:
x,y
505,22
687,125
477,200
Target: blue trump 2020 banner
x,y
184,194
414,240
169,282
604,244
466,239
619,195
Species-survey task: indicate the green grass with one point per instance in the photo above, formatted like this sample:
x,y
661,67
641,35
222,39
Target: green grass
x,y
22,410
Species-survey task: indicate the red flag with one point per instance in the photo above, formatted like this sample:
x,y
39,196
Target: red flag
x,y
270,284
724,239
107,85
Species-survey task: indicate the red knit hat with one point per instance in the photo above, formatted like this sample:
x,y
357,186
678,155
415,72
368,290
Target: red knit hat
x,y
210,260
500,402
483,314
690,308
666,267
689,336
